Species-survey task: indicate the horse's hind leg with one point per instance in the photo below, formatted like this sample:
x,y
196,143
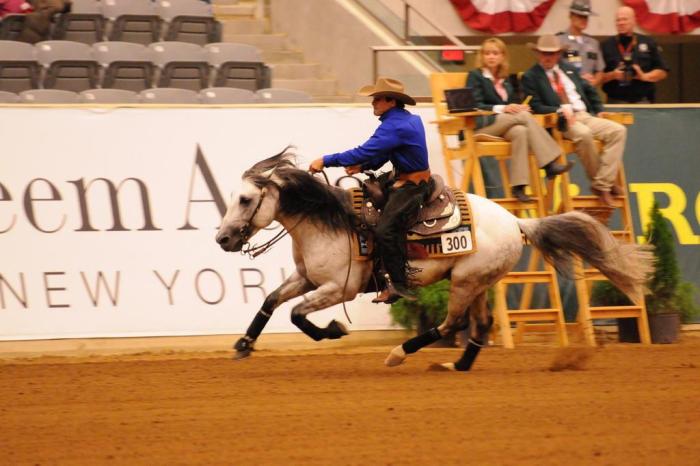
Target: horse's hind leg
x,y
480,324
455,320
325,296
292,287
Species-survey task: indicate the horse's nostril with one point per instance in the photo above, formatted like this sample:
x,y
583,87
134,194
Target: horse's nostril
x,y
222,239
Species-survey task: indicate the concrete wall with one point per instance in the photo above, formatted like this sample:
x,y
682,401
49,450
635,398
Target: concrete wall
x,y
336,34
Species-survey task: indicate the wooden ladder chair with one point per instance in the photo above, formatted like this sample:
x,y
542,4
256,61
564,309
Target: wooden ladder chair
x,y
468,152
587,276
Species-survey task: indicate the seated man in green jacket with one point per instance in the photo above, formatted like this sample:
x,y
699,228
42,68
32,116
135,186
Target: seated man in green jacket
x,y
557,87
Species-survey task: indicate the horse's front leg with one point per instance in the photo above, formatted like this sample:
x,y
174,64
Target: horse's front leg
x,y
294,286
325,296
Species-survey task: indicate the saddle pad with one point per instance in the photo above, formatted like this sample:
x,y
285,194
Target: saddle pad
x,y
461,240
457,242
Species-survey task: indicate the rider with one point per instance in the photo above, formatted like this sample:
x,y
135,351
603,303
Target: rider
x,y
400,138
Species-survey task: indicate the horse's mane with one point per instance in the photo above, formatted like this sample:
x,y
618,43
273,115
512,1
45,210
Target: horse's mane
x,y
301,193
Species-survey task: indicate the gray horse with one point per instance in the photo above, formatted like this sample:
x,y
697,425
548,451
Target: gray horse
x,y
321,223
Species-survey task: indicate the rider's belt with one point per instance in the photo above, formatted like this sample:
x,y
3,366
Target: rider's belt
x,y
414,177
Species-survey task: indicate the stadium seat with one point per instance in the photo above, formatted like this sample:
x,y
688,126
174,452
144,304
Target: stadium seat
x,y
8,98
182,65
227,95
274,95
11,26
127,65
198,30
244,75
49,96
133,21
19,70
169,95
222,52
238,65
70,65
84,23
169,9
109,96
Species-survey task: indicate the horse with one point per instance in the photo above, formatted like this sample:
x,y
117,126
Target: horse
x,y
321,223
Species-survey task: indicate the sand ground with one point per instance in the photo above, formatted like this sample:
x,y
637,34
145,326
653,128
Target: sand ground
x,y
625,405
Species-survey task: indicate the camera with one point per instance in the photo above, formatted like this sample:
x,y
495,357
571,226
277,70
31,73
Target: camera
x,y
626,67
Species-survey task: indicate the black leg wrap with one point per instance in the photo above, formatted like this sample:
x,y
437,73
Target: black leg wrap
x,y
470,354
306,326
258,324
416,343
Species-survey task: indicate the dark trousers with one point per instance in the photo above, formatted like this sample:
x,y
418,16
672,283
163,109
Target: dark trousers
x,y
400,212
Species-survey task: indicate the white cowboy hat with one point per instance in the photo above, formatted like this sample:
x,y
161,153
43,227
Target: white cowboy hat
x,y
387,87
547,43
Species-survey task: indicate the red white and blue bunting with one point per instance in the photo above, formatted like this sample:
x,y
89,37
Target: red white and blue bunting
x,y
499,16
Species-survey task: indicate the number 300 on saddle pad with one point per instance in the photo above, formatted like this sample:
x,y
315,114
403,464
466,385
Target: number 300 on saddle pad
x,y
456,241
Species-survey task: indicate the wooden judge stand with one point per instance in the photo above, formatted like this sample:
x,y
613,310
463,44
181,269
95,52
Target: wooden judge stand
x,y
462,151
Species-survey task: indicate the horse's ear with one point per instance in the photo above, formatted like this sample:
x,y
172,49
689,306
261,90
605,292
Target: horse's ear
x,y
285,158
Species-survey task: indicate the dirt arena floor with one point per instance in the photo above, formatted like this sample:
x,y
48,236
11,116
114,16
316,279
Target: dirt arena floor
x,y
616,405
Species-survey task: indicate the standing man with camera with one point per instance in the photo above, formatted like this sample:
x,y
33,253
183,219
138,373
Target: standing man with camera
x,y
581,50
633,63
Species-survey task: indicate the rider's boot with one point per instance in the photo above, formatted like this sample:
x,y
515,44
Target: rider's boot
x,y
393,292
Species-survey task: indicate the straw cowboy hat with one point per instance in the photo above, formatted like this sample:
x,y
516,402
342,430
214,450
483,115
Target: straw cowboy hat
x,y
547,43
387,87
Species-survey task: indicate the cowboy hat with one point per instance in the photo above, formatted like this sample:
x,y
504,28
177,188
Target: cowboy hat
x,y
547,43
581,8
387,87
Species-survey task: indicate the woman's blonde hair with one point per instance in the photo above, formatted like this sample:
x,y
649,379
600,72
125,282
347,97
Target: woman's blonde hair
x,y
501,46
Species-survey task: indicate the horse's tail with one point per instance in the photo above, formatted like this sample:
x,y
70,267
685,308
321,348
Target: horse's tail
x,y
559,237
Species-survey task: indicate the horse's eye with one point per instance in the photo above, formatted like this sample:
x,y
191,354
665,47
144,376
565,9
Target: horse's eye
x,y
244,201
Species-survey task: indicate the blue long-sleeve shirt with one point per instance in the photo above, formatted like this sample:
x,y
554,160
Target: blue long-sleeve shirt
x,y
400,138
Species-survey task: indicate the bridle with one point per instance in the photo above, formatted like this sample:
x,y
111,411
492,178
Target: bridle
x,y
253,251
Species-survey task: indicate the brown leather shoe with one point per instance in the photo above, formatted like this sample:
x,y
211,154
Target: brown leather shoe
x,y
616,190
519,194
552,169
604,196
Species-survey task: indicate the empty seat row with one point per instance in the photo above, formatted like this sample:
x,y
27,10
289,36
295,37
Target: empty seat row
x,y
76,67
140,21
213,95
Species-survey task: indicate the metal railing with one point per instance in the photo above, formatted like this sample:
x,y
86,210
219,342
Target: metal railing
x,y
410,11
416,48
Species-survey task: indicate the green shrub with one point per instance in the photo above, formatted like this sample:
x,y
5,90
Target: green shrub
x,y
431,306
668,291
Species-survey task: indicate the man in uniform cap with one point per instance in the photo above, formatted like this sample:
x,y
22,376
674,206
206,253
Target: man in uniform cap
x,y
581,50
400,139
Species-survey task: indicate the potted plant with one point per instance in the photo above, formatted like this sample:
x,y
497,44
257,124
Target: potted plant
x,y
426,312
670,299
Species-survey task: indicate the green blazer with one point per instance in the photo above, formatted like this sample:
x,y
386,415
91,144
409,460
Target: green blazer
x,y
485,95
545,99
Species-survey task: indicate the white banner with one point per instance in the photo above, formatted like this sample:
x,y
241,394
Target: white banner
x,y
108,218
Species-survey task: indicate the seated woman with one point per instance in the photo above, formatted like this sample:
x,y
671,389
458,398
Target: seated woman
x,y
512,121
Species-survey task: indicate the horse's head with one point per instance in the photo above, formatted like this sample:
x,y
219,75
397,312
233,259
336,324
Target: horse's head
x,y
257,203
254,208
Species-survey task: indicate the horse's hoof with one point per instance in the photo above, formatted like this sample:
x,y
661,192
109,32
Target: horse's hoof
x,y
241,354
444,367
396,356
336,330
